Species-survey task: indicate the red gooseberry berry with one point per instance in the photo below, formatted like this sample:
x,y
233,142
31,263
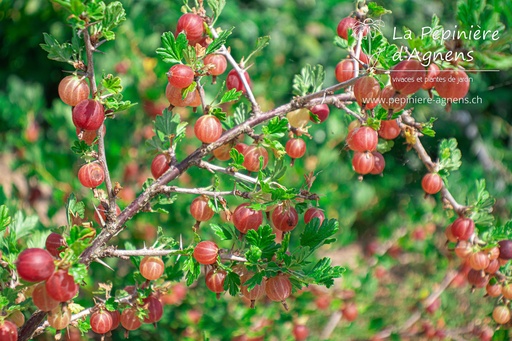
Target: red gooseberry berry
x,y
130,320
88,115
59,317
180,76
432,183
255,293
363,139
505,249
391,100
477,278
408,76
193,27
463,249
252,156
206,252
321,111
61,286
234,81
389,129
367,92
88,136
344,70
54,243
223,152
295,148
101,322
501,314
17,317
350,311
8,331
493,290
463,228
41,299
216,63
215,280
363,163
493,267
155,309
116,319
314,212
278,288
506,290
245,218
159,165
298,118
208,128
175,98
430,80
91,175
449,235
200,210
73,90
35,265
452,84
300,332
479,261
285,218
378,163
151,267
350,23
241,147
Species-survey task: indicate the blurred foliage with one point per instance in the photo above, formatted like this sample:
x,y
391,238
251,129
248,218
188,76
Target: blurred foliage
x,y
39,168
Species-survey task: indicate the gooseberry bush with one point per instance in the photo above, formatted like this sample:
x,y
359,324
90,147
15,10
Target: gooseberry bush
x,y
266,241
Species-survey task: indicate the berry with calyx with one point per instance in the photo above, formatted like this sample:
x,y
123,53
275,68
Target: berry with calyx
x,y
91,175
35,265
215,280
285,218
463,228
389,129
73,90
130,320
252,156
193,27
217,64
88,115
350,23
298,118
314,212
432,183
180,76
206,252
278,288
245,218
61,286
367,92
159,165
208,128
321,111
363,163
233,81
408,76
295,148
59,318
200,210
363,139
54,243
101,322
151,267
378,163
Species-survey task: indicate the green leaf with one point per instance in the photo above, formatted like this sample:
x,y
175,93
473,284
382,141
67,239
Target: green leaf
x,y
501,232
316,235
262,239
310,79
375,10
230,96
175,273
323,274
114,16
260,45
216,6
172,49
481,209
59,52
449,157
232,283
279,169
218,42
74,208
5,219
192,269
81,148
241,114
426,128
223,231
340,42
238,159
78,271
22,226
111,84
276,128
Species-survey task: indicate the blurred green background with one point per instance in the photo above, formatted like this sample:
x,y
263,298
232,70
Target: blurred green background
x,y
39,169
